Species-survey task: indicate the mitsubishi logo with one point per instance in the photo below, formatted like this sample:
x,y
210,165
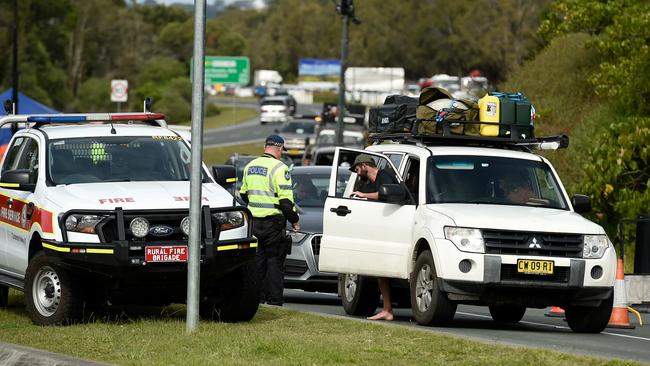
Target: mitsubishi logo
x,y
534,245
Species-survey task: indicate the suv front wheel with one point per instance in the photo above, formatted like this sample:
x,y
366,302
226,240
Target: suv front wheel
x,y
360,294
585,319
51,295
430,305
236,298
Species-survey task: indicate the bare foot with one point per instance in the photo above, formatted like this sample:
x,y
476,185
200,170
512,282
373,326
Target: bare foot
x,y
382,315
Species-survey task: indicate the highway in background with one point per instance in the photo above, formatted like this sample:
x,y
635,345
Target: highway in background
x,y
535,330
249,131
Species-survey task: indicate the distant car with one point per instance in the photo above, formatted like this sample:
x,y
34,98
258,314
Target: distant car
x,y
310,186
275,109
324,155
327,138
297,135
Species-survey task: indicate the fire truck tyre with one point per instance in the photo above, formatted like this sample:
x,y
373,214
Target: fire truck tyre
x,y
430,305
507,313
360,294
4,296
585,319
51,295
238,298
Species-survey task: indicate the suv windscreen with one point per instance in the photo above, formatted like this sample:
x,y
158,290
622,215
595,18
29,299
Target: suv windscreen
x,y
273,102
299,128
118,159
310,190
492,180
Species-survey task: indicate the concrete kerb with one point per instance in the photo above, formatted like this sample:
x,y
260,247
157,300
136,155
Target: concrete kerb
x,y
15,355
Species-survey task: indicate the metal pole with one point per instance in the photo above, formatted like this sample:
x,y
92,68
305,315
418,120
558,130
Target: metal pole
x,y
194,258
344,55
14,69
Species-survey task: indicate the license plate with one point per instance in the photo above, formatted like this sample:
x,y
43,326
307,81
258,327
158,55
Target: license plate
x,y
531,266
293,151
165,254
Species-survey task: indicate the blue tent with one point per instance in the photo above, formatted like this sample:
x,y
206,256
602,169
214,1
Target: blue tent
x,y
26,105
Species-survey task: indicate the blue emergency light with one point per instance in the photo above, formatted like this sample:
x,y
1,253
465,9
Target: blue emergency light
x,y
42,119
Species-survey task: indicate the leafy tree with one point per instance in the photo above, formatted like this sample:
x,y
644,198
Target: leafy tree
x,y
618,173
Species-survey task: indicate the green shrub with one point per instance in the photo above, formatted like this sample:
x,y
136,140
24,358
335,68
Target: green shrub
x,y
212,109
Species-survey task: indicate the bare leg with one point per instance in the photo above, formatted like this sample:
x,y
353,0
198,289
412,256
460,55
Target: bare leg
x,y
387,312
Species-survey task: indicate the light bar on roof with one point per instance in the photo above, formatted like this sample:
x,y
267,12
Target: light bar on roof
x,y
37,119
137,117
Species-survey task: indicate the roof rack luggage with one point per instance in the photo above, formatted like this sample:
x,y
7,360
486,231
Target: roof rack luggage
x,y
444,132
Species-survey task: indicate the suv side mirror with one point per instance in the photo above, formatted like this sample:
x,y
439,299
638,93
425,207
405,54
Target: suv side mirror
x,y
581,203
18,179
392,193
225,175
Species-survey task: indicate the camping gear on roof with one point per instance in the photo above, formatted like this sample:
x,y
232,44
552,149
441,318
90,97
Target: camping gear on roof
x,y
505,109
397,115
437,105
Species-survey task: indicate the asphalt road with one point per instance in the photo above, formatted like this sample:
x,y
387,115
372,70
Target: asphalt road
x,y
249,131
535,330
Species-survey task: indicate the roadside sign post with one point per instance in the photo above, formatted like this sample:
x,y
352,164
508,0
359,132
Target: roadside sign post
x,y
194,258
119,92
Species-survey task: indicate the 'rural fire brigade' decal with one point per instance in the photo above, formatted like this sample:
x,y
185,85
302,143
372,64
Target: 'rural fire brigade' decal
x,y
165,254
116,200
14,212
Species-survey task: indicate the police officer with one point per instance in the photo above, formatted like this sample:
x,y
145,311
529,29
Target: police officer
x,y
266,187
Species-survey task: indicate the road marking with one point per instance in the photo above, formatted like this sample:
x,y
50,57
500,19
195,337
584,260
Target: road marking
x,y
555,326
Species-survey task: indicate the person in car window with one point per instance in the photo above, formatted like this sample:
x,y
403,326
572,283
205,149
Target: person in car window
x,y
366,169
516,189
371,177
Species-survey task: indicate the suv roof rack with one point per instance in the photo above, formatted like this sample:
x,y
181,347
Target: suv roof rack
x,y
38,120
520,137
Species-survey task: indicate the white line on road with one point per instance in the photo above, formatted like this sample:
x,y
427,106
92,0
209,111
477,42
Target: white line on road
x,y
554,326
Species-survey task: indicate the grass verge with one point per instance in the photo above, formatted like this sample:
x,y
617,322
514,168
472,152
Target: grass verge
x,y
156,336
217,155
229,116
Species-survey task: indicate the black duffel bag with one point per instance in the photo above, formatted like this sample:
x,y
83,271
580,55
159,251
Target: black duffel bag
x,y
395,116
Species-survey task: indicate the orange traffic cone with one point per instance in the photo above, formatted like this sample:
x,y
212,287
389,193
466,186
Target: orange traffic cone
x,y
556,312
619,317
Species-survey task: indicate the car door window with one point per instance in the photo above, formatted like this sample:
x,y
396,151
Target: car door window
x,y
412,176
23,155
395,158
13,154
375,170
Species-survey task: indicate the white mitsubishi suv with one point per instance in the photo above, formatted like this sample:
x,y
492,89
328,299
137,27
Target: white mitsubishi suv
x,y
468,221
95,210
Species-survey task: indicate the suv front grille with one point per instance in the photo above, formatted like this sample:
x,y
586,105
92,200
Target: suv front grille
x,y
509,274
295,267
531,243
315,244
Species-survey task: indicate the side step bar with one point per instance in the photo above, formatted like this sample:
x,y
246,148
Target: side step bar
x,y
12,282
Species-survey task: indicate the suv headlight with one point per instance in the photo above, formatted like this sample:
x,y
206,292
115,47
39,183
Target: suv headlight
x,y
465,239
296,237
594,246
83,223
229,220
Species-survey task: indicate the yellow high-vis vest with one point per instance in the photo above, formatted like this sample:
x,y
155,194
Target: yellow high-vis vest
x,y
266,181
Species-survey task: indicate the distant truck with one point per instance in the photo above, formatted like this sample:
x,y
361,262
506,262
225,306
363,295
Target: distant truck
x,y
371,85
262,78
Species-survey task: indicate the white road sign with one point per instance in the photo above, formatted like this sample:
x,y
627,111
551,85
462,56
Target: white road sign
x,y
119,90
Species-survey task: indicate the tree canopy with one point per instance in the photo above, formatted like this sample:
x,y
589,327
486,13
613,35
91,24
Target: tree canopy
x,y
70,49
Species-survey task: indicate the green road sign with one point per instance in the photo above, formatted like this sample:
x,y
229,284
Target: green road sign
x,y
227,70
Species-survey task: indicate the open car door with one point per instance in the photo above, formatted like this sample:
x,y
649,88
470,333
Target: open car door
x,y
364,236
